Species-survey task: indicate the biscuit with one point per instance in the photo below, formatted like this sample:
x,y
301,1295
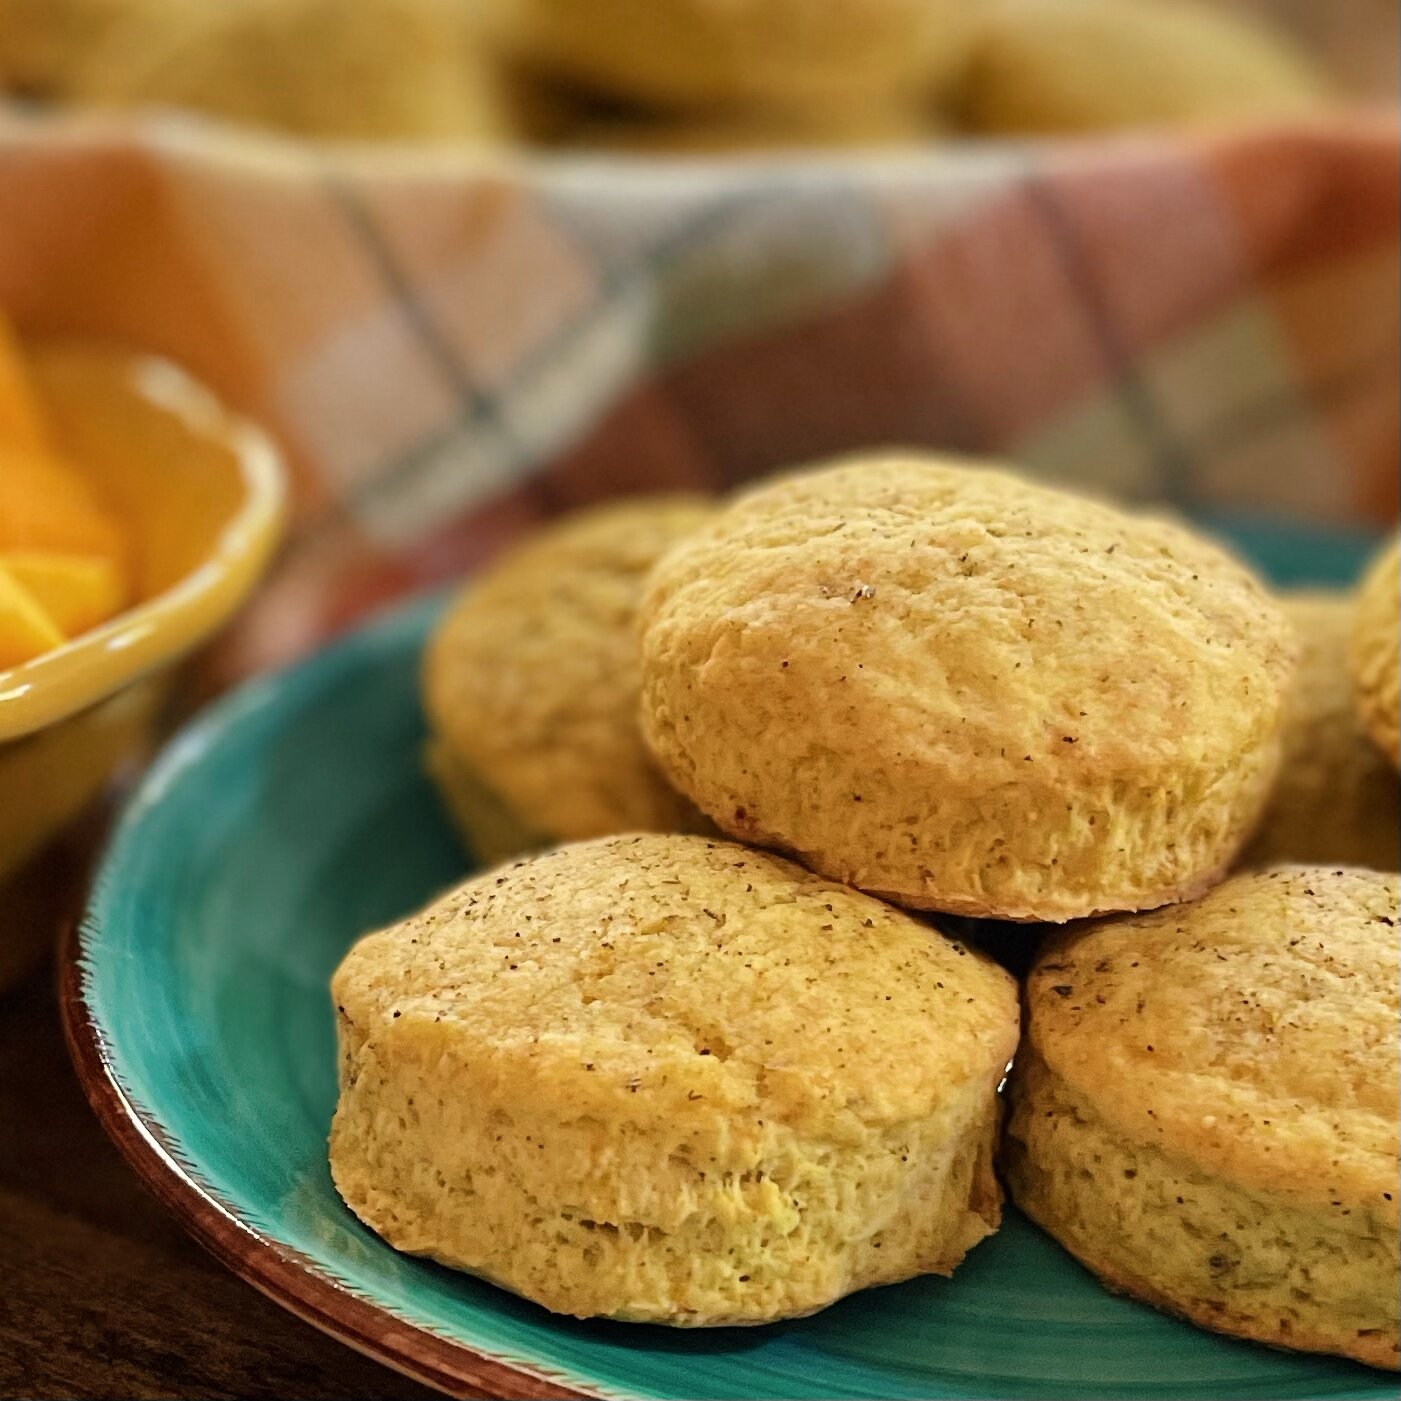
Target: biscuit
x,y
377,69
1376,645
491,830
962,691
531,685
1336,801
1087,65
709,53
1204,1108
671,1080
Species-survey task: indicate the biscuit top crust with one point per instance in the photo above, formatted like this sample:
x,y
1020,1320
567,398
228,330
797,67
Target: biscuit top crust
x,y
648,976
1253,1033
532,677
964,620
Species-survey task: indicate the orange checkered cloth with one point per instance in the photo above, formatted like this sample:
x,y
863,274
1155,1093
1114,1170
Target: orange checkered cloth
x,y
450,347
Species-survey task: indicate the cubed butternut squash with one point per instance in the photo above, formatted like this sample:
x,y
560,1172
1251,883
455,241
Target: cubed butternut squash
x,y
77,591
45,505
26,631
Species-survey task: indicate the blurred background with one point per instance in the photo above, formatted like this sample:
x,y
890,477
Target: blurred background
x,y
470,263
693,75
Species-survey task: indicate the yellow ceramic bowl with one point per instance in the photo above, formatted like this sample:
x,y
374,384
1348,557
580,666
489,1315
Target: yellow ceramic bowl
x,y
202,495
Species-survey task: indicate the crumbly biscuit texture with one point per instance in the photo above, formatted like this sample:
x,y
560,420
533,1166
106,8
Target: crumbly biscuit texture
x,y
1376,652
671,1079
1337,800
1205,1107
531,681
962,691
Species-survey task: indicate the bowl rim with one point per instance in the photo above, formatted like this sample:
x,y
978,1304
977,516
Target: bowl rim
x,y
158,630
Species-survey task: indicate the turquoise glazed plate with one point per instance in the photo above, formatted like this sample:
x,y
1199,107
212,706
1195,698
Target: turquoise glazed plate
x,y
294,816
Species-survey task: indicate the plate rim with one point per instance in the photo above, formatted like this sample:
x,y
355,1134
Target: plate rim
x,y
283,1274
289,1277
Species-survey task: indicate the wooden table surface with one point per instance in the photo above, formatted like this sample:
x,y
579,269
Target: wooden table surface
x,y
102,1294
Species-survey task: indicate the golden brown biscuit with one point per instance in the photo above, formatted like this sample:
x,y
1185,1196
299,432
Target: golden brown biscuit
x,y
1376,652
1205,1107
1087,65
377,69
492,831
531,684
962,691
1336,800
699,53
671,1080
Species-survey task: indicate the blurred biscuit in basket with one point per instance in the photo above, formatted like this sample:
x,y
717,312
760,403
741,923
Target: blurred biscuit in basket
x,y
1337,800
1086,65
671,1080
1205,1107
531,685
375,69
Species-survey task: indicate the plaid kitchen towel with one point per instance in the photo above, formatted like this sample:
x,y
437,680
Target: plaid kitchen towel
x,y
450,347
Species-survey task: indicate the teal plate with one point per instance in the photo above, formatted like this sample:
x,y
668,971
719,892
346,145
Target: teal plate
x,y
292,817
